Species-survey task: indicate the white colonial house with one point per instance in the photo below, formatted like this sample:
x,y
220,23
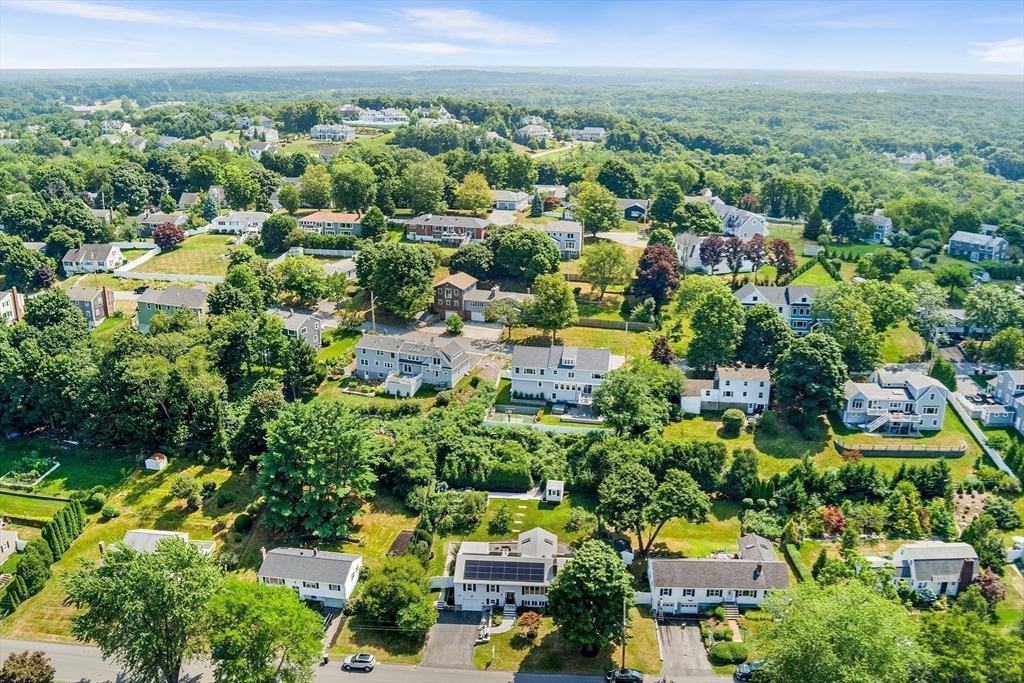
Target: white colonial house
x,y
403,366
514,573
560,374
792,302
747,389
258,149
331,223
506,200
12,305
337,132
688,586
318,575
437,112
240,221
93,258
533,132
567,235
586,134
387,118
902,402
736,222
943,568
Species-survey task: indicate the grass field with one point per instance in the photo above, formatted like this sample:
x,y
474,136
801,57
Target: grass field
x,y
80,468
901,344
681,538
342,341
197,255
357,635
814,277
14,505
549,652
608,308
613,340
105,331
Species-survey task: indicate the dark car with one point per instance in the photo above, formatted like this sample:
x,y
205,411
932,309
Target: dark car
x,y
140,290
624,676
745,672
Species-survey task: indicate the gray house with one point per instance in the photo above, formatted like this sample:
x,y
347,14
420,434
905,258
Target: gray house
x,y
149,222
976,247
299,324
506,200
169,300
318,575
95,304
404,366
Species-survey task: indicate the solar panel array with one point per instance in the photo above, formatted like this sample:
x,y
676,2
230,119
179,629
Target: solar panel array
x,y
486,570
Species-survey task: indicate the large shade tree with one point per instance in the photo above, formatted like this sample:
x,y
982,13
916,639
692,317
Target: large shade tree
x,y
809,378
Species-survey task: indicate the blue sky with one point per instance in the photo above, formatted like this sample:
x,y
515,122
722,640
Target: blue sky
x,y
956,37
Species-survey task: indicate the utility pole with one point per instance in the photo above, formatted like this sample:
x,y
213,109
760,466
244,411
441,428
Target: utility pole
x,y
627,339
373,312
623,632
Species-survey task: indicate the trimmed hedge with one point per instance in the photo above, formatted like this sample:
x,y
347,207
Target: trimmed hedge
x,y
1003,271
388,409
510,476
721,654
797,561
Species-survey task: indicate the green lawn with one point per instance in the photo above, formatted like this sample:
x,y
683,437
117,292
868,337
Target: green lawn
x,y
684,539
1008,612
608,308
80,468
197,255
342,341
814,277
375,140
594,337
105,331
132,254
16,505
357,635
379,524
549,652
901,344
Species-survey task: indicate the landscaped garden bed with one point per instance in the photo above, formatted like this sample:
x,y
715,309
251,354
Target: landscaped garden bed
x,y
27,472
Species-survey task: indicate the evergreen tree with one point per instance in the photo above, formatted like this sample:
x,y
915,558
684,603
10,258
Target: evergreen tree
x,y
33,570
812,228
210,209
537,207
819,563
790,534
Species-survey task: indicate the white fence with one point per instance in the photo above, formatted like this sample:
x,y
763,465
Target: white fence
x,y
134,245
973,428
644,598
126,272
341,253
441,582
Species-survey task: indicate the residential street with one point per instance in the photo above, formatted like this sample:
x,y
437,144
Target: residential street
x,y
83,663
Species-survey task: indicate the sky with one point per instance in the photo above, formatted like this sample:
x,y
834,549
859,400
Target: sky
x,y
976,36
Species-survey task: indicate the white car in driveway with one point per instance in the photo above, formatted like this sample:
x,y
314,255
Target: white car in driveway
x,y
361,661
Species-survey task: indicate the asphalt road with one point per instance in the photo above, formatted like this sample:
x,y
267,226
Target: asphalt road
x,y
84,663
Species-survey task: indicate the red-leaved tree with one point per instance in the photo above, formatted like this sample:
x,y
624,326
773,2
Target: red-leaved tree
x,y
712,250
780,255
735,251
657,274
168,236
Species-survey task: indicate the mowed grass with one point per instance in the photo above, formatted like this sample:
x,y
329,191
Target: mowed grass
x,y
814,277
105,331
551,653
680,538
901,344
378,525
197,255
145,503
360,636
80,468
615,341
26,507
342,341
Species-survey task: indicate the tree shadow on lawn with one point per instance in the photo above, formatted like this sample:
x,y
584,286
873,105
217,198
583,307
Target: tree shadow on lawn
x,y
367,634
554,654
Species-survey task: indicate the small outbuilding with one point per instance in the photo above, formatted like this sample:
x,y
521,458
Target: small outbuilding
x,y
554,491
158,462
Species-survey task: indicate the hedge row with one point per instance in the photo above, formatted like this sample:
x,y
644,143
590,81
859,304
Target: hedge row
x,y
312,240
388,409
1003,271
34,568
798,564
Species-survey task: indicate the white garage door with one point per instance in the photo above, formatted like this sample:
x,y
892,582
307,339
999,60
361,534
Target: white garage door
x,y
472,605
476,317
685,608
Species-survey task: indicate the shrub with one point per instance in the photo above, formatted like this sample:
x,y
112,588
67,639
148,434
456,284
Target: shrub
x,y
228,561
443,398
722,633
581,519
502,519
474,381
718,612
799,566
812,433
243,522
732,421
728,653
761,503
769,425
747,503
209,486
96,502
236,537
225,498
109,512
529,624
453,324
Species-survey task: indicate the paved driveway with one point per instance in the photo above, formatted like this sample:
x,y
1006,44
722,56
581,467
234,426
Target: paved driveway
x,y
502,217
682,648
630,239
450,641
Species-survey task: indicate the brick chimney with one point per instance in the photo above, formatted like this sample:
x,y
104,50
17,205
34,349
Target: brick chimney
x,y
18,313
263,553
108,302
966,575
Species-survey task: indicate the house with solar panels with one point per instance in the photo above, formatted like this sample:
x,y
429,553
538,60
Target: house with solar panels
x,y
509,574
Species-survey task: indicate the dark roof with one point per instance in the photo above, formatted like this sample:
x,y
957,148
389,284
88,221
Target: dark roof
x,y
710,573
754,547
302,565
449,221
89,252
779,296
193,297
587,360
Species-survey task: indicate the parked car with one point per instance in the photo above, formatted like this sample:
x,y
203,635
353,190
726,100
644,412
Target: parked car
x,y
745,672
624,676
140,290
360,661
68,443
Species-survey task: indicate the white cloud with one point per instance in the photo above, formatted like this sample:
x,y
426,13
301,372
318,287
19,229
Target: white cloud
x,y
468,24
195,20
425,48
1003,51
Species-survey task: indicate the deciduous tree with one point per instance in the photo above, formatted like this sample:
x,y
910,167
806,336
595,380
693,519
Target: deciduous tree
x,y
597,208
289,197
657,274
605,264
585,599
1006,348
627,401
423,183
401,277
353,185
809,378
554,306
953,275
27,667
473,258
718,323
168,236
766,334
315,187
697,217
781,257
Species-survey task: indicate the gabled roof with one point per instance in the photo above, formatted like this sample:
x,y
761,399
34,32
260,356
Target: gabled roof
x,y
293,320
89,252
330,217
299,564
449,221
83,293
715,573
976,239
587,360
626,203
935,561
193,297
157,218
755,374
777,296
754,547
458,280
147,540
509,196
447,353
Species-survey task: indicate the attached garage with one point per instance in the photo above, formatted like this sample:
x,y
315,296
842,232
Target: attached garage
x,y
686,608
472,606
477,316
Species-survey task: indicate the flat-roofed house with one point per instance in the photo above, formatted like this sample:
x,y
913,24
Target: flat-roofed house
x,y
560,374
318,575
403,366
508,574
687,586
902,402
449,230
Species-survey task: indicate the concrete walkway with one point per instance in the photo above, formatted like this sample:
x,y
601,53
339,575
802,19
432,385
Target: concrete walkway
x,y
532,494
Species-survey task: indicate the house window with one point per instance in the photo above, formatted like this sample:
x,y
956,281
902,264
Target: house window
x,y
493,588
714,592
334,587
747,594
665,592
688,592
535,590
272,581
572,375
931,411
530,371
471,587
727,394
857,405
439,302
310,584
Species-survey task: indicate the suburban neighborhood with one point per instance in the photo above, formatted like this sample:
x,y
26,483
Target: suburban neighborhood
x,y
303,376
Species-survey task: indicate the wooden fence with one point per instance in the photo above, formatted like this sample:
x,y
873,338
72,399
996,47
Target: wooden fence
x,y
615,324
884,450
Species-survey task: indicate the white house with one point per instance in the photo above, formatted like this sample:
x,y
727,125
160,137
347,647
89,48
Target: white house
x,y
554,491
567,235
792,302
147,540
332,223
530,120
514,573
261,133
404,366
346,267
226,145
108,137
747,389
12,305
257,149
561,374
338,132
883,226
387,118
1008,395
117,127
437,112
505,200
586,134
319,575
105,215
687,586
902,402
93,258
8,544
943,568
533,132
240,221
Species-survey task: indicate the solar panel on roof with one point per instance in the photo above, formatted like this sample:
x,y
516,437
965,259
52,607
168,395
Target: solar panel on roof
x,y
486,570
